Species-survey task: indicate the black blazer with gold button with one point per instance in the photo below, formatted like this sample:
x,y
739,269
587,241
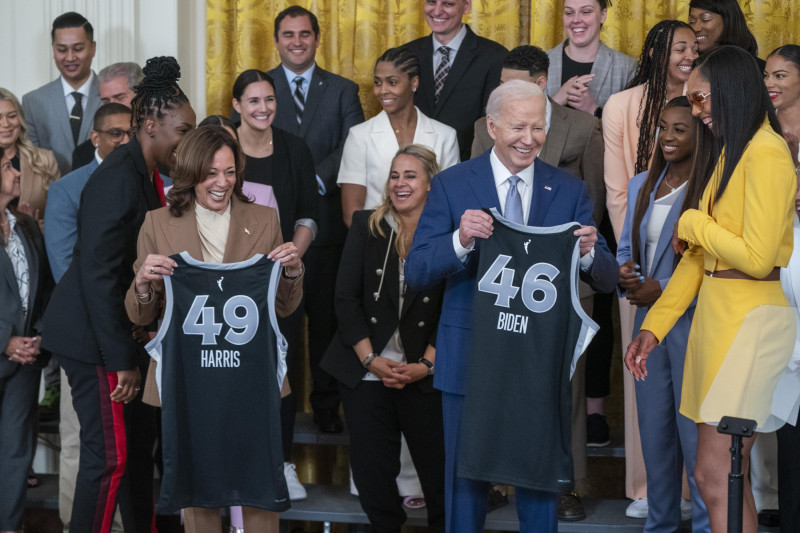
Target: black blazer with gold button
x,y
361,315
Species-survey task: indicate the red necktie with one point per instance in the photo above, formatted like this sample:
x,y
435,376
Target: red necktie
x,y
159,183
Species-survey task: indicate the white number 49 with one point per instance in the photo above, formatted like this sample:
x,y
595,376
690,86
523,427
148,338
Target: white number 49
x,y
201,320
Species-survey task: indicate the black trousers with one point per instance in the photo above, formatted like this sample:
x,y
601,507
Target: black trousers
x,y
116,465
322,264
789,477
292,329
376,416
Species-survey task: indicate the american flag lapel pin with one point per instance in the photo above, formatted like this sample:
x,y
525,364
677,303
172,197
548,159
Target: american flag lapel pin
x,y
247,231
548,188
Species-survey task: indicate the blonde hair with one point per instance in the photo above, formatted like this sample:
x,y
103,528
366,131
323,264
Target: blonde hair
x,y
25,148
402,243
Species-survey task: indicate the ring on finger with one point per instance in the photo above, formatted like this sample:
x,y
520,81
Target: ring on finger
x,y
151,270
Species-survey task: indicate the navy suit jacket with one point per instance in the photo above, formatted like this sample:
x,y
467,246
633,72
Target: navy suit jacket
x,y
473,76
558,198
61,217
332,107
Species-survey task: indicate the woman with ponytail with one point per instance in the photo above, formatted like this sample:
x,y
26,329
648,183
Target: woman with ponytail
x,y
86,324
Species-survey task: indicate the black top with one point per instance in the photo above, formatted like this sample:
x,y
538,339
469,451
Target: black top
x,y
290,173
572,68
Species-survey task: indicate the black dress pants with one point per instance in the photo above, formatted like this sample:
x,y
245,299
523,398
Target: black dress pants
x,y
789,477
376,416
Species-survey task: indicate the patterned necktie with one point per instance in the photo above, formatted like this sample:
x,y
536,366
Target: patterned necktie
x,y
299,101
159,185
441,72
513,208
76,117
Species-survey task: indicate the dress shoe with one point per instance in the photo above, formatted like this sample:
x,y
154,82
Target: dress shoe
x,y
328,421
570,508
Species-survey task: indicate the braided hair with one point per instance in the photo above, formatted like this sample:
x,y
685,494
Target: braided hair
x,y
652,71
405,61
158,90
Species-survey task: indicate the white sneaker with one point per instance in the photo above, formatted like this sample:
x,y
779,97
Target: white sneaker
x,y
296,490
637,509
353,489
686,509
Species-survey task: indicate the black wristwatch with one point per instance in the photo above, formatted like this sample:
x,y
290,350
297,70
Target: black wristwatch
x,y
428,364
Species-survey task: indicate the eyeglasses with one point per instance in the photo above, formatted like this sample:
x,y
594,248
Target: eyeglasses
x,y
697,98
116,134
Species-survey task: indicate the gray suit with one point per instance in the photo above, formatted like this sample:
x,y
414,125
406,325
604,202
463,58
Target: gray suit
x,y
613,70
47,117
19,384
574,143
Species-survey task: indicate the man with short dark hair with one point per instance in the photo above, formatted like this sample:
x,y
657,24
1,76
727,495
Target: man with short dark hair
x,y
459,69
59,113
117,82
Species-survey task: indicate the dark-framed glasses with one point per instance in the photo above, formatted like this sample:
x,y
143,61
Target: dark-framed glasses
x,y
115,134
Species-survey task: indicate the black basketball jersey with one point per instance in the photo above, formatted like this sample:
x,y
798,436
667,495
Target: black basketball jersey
x,y
221,361
528,333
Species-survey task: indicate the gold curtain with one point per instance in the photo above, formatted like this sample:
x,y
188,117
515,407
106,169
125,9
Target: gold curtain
x,y
355,32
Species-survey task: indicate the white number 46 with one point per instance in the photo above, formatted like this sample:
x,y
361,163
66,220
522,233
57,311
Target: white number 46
x,y
200,320
538,278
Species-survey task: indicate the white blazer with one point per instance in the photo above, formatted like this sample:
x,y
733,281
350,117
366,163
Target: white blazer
x,y
371,146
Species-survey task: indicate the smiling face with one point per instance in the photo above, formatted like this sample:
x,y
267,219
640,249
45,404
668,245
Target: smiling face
x,y
115,130
9,181
297,44
444,17
696,87
168,131
73,53
214,192
675,134
9,125
518,132
257,106
582,21
392,87
782,78
682,56
116,90
707,27
408,184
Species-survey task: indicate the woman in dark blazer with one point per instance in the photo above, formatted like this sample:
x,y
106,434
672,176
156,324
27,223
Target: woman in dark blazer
x,y
280,168
384,351
25,285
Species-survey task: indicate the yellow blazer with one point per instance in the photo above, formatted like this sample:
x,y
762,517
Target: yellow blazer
x,y
165,234
33,185
748,229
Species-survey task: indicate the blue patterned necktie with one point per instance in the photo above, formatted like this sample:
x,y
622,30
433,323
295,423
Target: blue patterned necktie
x,y
513,208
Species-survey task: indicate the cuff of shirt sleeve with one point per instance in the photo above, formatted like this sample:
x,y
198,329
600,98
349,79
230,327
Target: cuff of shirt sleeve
x,y
310,224
461,252
587,260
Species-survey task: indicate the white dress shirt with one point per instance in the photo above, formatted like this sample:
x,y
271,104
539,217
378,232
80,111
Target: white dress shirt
x,y
83,89
453,45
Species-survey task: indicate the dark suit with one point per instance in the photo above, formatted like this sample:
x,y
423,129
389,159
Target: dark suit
x,y
332,107
83,154
19,384
557,198
473,76
376,414
86,325
47,117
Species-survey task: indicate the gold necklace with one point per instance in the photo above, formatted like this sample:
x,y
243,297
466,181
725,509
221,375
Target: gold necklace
x,y
670,186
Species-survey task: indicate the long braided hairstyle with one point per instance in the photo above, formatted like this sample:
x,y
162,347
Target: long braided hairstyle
x,y
158,90
652,71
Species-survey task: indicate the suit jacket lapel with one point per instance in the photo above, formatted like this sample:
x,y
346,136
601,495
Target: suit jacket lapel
x,y
58,108
556,136
545,189
92,105
383,139
8,273
465,55
149,188
426,64
425,134
243,233
319,82
481,180
601,68
181,234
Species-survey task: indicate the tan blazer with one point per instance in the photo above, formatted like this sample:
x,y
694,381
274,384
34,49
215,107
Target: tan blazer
x,y
34,185
253,229
574,143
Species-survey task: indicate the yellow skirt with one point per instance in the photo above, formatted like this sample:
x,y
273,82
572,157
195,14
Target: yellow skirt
x,y
741,339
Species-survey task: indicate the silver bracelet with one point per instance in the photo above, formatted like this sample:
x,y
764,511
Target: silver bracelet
x,y
368,360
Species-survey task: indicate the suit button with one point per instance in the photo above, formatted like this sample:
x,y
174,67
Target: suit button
x,y
379,272
373,320
426,300
421,324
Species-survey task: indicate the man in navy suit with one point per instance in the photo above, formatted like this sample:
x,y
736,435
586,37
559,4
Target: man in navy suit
x,y
459,69
444,248
59,114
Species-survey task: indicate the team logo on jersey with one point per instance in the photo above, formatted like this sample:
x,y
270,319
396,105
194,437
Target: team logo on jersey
x,y
525,244
219,282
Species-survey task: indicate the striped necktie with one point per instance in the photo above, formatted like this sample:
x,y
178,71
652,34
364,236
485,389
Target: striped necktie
x,y
299,100
441,72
